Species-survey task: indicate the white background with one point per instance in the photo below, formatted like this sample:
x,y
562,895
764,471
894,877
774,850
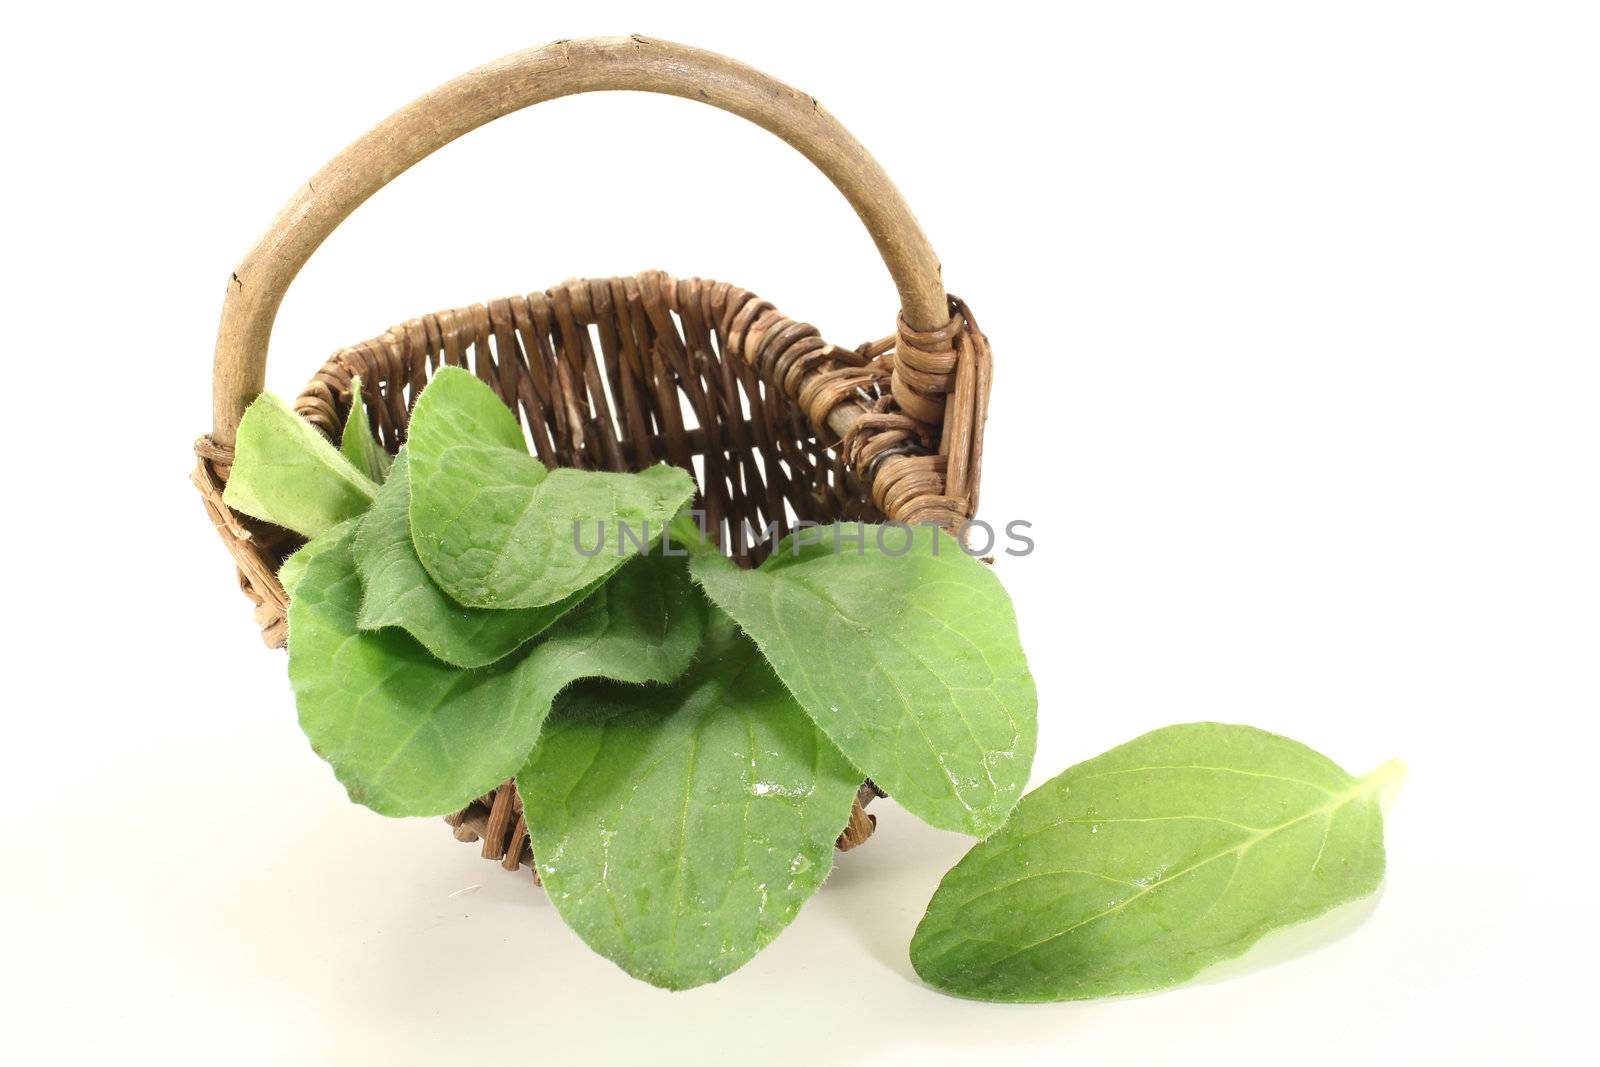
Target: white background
x,y
1295,317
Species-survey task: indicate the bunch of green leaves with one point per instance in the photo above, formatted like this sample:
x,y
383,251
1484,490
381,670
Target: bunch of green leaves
x,y
419,700
688,737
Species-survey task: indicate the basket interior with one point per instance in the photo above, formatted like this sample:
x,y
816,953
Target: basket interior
x,y
623,373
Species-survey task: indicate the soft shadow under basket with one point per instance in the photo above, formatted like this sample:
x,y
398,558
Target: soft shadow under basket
x,y
621,373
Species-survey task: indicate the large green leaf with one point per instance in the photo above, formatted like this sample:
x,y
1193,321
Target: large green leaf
x,y
358,445
910,663
409,735
679,829
400,593
494,528
1138,869
458,408
287,473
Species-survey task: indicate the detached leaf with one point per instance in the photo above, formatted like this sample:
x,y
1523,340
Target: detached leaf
x,y
1140,868
400,593
358,445
679,829
409,735
494,528
911,664
287,473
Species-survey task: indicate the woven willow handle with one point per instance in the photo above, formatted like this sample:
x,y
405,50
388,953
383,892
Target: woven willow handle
x,y
510,84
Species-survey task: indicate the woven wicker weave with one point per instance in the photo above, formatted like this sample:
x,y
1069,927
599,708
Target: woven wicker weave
x,y
776,424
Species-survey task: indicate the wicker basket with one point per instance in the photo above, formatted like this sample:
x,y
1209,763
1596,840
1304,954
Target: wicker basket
x,y
776,424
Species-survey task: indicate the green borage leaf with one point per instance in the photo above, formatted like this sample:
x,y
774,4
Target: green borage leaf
x,y
287,473
409,735
294,568
908,660
678,829
357,443
496,529
400,593
1140,868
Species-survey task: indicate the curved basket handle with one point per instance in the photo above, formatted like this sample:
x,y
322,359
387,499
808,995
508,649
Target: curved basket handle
x,y
563,68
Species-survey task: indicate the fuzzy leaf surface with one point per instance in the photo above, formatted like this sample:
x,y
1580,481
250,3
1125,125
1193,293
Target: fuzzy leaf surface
x,y
494,528
358,445
407,734
287,473
1138,869
910,663
294,568
400,592
679,828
